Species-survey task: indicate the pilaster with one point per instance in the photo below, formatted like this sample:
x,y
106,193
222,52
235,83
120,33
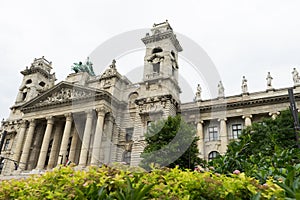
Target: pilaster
x,y
200,142
223,135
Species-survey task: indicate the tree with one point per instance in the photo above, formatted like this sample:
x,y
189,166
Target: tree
x,y
171,142
266,146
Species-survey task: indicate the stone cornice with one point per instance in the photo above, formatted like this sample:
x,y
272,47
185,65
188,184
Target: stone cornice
x,y
162,36
225,105
32,70
154,104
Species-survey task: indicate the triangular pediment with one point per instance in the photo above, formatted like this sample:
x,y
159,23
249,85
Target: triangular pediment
x,y
63,93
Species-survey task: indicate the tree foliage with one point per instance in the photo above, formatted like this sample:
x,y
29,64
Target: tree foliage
x,y
171,142
266,137
107,183
264,149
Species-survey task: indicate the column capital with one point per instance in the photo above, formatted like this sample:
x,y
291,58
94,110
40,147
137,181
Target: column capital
x,y
274,113
89,113
222,119
50,120
247,116
200,121
102,110
23,123
32,122
68,116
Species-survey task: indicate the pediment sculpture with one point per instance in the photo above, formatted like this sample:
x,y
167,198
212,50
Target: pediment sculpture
x,y
66,94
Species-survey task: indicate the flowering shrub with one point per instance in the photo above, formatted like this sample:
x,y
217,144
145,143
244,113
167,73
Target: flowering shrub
x,y
114,183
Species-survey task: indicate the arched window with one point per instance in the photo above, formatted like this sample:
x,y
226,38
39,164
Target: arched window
x,y
24,95
157,50
127,157
131,98
173,71
173,54
212,155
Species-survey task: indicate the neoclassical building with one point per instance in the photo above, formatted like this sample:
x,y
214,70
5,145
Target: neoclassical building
x,y
92,119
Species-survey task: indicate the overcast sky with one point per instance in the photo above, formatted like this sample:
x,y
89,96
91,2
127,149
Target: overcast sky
x,y
241,37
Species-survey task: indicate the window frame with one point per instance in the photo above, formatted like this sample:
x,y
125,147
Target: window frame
x,y
129,134
156,67
213,154
236,131
213,133
6,144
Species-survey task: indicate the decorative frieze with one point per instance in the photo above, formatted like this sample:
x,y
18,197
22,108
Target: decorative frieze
x,y
65,94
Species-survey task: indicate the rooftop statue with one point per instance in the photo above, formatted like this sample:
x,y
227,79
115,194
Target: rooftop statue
x,y
269,80
296,77
87,67
198,93
221,89
244,85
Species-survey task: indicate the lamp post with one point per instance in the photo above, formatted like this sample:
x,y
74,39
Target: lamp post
x,y
295,115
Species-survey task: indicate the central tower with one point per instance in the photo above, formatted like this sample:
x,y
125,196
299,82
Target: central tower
x,y
158,95
161,61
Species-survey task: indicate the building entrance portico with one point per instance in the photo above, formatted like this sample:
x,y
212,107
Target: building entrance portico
x,y
62,139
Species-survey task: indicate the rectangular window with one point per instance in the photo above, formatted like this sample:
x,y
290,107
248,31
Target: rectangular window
x,y
156,67
6,144
127,157
213,133
236,130
129,133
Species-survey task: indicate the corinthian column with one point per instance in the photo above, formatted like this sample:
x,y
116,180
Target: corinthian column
x,y
45,144
17,151
86,139
98,136
27,144
65,140
200,142
223,136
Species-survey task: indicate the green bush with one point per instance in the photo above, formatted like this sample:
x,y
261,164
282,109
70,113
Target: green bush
x,y
114,183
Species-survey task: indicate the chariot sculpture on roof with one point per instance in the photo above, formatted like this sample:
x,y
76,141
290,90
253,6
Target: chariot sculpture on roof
x,y
87,67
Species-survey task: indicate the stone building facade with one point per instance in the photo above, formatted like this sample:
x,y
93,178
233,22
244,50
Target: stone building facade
x,y
91,120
